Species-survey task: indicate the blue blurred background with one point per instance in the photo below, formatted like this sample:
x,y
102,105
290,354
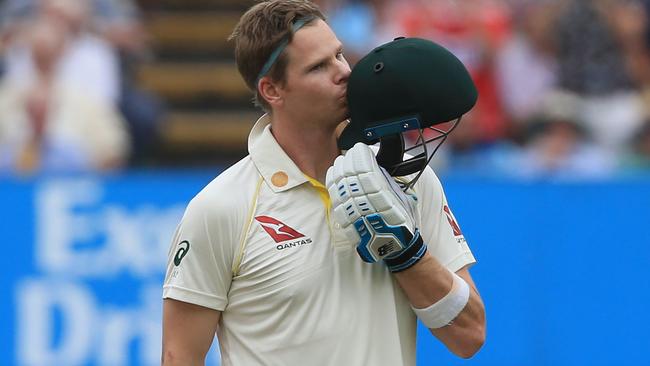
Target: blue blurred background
x,y
114,113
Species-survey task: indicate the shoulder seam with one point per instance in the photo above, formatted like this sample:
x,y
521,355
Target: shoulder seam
x,y
247,225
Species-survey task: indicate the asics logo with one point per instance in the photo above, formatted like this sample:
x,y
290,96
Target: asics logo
x,y
184,247
278,230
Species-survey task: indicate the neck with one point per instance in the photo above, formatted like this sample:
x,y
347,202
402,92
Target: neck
x,y
312,148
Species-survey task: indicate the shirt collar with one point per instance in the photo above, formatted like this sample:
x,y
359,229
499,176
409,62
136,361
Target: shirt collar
x,y
274,165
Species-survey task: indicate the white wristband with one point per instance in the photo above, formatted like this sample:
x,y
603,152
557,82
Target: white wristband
x,y
445,310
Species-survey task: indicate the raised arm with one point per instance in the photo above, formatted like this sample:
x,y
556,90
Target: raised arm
x,y
381,218
188,331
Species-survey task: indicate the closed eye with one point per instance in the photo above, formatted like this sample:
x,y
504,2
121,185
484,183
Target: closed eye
x,y
317,67
323,63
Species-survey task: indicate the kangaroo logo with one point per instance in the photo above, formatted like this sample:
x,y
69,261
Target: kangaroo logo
x,y
278,230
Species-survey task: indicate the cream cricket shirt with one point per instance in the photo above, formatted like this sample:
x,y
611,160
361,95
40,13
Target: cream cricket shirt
x,y
258,245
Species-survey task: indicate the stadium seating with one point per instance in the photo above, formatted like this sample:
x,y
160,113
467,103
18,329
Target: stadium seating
x,y
193,71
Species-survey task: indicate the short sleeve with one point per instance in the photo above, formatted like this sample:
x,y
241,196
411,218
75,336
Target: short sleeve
x,y
438,225
199,268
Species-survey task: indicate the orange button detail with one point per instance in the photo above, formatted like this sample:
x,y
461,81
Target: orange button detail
x,y
280,179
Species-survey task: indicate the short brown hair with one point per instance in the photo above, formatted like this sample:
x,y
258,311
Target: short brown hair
x,y
259,32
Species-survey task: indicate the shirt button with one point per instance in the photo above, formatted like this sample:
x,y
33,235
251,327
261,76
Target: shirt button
x,y
337,225
280,179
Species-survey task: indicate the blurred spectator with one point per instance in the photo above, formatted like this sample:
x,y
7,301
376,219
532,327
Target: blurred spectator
x,y
50,124
119,22
109,41
599,47
525,65
559,147
89,62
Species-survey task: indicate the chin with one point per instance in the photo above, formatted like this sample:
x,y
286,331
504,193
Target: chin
x,y
340,117
345,113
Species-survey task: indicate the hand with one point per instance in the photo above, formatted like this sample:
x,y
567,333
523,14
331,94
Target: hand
x,y
369,200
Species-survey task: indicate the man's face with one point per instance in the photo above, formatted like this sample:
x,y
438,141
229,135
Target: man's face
x,y
317,76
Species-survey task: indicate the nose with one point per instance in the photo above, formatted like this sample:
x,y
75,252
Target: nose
x,y
343,72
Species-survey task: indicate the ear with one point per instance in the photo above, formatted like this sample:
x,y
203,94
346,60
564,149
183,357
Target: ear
x,y
270,91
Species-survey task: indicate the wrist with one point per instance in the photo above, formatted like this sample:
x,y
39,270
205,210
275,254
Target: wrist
x,y
410,256
444,311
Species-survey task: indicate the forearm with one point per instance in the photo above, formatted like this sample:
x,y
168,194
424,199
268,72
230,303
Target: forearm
x,y
425,284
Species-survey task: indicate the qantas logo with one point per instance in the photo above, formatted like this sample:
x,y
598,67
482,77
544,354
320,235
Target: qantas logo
x,y
278,230
452,222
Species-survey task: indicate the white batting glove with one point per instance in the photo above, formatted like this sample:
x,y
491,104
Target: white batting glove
x,y
366,198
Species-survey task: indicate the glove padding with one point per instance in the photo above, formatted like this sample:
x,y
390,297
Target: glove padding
x,y
365,197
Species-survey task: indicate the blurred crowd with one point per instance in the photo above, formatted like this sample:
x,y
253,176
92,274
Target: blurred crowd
x,y
564,85
68,101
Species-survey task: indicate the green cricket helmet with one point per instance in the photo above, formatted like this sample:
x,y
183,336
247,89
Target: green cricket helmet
x,y
407,84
